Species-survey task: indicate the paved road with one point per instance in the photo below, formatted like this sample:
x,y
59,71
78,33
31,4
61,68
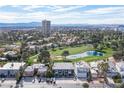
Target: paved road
x,y
8,83
31,82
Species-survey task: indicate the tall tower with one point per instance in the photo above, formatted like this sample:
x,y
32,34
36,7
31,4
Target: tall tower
x,y
46,25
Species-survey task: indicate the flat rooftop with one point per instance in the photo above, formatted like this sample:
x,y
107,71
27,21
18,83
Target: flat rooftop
x,y
82,64
93,64
120,64
40,67
63,66
12,66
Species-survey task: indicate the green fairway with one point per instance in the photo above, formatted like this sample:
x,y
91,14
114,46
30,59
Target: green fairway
x,y
56,55
72,50
107,53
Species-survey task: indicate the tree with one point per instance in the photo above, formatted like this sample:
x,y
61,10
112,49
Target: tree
x,y
53,47
118,55
95,45
17,76
100,47
49,72
122,85
114,45
24,56
85,85
65,53
35,72
103,66
44,57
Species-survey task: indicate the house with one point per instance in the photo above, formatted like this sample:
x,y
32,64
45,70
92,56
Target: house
x,y
32,47
110,82
40,68
81,70
63,70
10,69
94,65
94,74
112,71
11,53
120,69
94,69
2,50
29,71
3,59
12,47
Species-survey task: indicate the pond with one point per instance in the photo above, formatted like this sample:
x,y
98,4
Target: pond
x,y
85,54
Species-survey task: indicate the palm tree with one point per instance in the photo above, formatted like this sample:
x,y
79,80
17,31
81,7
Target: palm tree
x,y
103,66
49,72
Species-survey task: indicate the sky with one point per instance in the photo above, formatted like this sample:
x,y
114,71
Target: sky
x,y
63,14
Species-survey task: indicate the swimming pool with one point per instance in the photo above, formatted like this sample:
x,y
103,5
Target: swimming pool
x,y
85,54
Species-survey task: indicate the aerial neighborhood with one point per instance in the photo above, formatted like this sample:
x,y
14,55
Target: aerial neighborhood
x,y
72,58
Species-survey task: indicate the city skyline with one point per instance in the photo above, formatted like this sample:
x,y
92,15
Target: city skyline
x,y
66,14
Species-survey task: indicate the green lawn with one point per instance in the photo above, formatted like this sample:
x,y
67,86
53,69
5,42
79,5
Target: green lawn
x,y
2,63
72,50
32,59
18,43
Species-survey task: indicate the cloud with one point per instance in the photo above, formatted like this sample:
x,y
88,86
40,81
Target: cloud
x,y
56,8
69,8
32,7
65,14
105,10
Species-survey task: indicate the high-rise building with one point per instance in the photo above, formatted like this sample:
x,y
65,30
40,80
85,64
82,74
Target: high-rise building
x,y
46,27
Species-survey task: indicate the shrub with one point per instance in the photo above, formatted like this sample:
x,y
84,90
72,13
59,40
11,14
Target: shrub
x,y
85,85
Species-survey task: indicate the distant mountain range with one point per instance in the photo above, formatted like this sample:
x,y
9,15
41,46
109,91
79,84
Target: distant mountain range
x,y
39,24
31,24
34,24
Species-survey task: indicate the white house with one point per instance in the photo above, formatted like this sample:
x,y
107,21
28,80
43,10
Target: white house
x,y
10,69
81,70
3,59
120,69
112,71
94,65
94,69
11,53
94,73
